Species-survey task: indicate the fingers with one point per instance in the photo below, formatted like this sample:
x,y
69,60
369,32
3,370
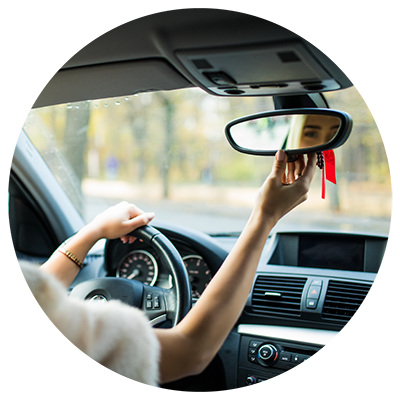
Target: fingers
x,y
299,166
139,220
294,169
134,223
291,172
309,170
127,239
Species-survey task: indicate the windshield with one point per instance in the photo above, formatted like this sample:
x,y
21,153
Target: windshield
x,y
166,152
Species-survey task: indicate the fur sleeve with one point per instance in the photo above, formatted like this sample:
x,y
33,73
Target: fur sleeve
x,y
114,334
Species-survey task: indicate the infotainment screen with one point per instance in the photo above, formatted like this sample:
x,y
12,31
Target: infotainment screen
x,y
326,251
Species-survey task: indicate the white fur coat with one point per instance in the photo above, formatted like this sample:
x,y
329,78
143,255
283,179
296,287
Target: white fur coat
x,y
113,334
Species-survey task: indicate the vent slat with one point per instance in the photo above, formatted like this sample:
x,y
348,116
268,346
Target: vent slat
x,y
288,301
286,292
343,299
274,303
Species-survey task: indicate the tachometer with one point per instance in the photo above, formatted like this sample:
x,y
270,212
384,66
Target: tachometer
x,y
139,265
199,274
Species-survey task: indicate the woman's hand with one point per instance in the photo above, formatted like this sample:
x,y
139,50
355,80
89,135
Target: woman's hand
x,y
119,220
286,187
115,222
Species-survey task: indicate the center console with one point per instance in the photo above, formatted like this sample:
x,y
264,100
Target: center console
x,y
282,359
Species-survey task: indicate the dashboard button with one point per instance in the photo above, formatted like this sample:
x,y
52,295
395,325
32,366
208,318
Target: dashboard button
x,y
313,292
254,343
252,359
295,358
285,357
316,282
252,350
312,303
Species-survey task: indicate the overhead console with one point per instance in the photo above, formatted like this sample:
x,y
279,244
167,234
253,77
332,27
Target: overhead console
x,y
267,69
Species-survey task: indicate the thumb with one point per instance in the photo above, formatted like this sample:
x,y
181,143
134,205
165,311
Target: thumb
x,y
279,167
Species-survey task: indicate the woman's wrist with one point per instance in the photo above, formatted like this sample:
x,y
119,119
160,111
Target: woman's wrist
x,y
89,235
263,220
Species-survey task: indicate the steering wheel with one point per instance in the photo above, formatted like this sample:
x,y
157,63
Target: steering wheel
x,y
159,304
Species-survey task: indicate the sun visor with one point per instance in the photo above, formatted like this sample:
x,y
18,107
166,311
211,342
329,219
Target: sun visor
x,y
35,88
270,69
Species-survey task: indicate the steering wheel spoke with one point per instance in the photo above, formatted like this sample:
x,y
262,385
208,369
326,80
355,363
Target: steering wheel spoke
x,y
155,304
159,304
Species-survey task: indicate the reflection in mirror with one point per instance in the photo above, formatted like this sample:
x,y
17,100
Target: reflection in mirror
x,y
288,132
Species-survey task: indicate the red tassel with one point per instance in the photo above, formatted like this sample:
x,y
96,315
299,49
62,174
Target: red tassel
x,y
328,169
329,157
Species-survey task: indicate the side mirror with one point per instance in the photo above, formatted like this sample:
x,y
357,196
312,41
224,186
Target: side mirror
x,y
297,131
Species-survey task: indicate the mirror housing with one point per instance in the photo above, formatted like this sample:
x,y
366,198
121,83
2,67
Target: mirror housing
x,y
263,134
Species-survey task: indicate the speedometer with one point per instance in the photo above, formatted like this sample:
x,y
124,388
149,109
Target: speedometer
x,y
199,274
139,265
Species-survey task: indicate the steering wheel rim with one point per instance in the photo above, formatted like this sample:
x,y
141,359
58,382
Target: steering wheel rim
x,y
172,261
174,303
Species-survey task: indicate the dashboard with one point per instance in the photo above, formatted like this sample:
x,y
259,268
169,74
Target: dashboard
x,y
308,285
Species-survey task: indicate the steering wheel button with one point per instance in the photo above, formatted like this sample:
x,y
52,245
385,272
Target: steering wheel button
x,y
156,303
149,304
149,296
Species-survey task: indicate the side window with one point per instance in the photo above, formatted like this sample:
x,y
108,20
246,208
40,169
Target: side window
x,y
29,234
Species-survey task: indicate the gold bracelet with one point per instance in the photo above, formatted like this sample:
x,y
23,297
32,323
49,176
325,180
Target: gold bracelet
x,y
72,257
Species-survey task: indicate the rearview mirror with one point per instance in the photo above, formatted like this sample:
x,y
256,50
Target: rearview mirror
x,y
297,131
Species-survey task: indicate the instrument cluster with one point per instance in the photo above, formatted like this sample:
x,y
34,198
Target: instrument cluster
x,y
142,264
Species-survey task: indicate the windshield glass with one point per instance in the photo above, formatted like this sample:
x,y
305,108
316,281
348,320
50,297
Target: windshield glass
x,y
166,152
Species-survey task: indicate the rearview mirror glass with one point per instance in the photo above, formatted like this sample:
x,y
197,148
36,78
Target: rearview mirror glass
x,y
295,131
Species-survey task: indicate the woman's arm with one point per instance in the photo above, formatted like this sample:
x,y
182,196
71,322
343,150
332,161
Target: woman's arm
x,y
117,221
190,346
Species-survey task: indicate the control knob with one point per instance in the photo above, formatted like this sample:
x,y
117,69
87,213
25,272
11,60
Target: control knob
x,y
268,354
251,380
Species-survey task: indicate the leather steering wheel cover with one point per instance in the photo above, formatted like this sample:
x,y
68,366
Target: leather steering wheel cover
x,y
172,261
170,258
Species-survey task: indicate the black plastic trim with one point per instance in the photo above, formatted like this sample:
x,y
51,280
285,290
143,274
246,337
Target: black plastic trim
x,y
337,141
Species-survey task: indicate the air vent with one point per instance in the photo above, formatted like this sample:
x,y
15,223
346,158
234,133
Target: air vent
x,y
277,295
343,299
377,306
